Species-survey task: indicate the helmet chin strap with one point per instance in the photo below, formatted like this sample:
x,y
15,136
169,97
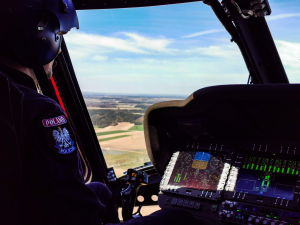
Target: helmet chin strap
x,y
44,83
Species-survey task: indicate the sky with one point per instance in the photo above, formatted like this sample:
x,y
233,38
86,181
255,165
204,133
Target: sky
x,y
171,49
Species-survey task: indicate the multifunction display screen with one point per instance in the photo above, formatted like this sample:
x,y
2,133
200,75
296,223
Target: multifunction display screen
x,y
198,170
270,177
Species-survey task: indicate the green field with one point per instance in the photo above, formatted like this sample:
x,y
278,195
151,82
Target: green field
x,y
111,138
127,160
96,126
111,132
133,164
137,128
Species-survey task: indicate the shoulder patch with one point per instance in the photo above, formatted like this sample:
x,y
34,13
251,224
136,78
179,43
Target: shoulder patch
x,y
54,121
64,143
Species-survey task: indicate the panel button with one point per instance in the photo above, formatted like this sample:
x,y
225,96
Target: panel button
x,y
191,205
185,203
167,201
179,202
197,205
214,208
174,201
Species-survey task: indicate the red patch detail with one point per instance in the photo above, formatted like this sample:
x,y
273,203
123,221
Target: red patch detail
x,y
54,121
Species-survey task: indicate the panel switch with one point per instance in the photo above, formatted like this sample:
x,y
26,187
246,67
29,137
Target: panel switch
x,y
191,205
185,203
174,201
197,205
214,208
179,202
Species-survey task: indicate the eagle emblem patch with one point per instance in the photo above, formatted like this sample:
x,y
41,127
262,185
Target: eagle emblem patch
x,y
63,141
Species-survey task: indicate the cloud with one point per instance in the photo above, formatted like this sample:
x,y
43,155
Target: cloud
x,y
169,76
94,41
203,33
281,16
174,67
223,51
99,58
122,59
157,44
289,53
127,42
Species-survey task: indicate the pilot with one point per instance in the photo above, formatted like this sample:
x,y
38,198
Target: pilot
x,y
52,188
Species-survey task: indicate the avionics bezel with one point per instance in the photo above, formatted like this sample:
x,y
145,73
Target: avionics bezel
x,y
257,199
204,194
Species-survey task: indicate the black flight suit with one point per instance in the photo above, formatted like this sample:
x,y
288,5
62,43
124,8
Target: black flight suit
x,y
52,172
53,188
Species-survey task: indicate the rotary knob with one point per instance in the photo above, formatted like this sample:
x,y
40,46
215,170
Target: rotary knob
x,y
257,221
251,219
266,222
276,223
232,206
225,205
229,216
221,215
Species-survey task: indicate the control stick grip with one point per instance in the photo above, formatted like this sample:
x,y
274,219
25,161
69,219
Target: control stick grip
x,y
128,201
135,179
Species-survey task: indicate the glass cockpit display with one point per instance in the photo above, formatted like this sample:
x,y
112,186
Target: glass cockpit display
x,y
198,170
269,177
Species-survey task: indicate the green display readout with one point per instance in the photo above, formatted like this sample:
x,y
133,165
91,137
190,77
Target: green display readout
x,y
177,178
272,165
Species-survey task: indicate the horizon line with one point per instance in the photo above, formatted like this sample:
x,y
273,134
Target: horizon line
x,y
134,94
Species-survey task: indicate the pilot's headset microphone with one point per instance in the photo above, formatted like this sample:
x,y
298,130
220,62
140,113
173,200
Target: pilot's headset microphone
x,y
31,31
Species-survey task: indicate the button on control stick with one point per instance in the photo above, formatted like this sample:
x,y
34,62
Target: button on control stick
x,y
135,179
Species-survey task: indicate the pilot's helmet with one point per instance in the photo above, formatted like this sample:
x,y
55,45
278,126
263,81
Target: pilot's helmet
x,y
31,30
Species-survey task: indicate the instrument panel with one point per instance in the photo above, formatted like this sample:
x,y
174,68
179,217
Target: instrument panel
x,y
235,185
229,154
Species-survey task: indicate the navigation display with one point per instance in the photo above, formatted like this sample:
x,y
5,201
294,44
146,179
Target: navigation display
x,y
268,177
198,170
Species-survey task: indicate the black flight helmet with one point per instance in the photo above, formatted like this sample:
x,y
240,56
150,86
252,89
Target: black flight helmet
x,y
31,30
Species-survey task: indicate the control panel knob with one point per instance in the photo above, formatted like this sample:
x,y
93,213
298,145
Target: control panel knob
x,y
225,205
257,221
251,219
221,214
232,206
229,216
265,222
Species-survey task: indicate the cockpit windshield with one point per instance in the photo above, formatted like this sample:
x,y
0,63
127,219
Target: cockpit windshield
x,y
127,59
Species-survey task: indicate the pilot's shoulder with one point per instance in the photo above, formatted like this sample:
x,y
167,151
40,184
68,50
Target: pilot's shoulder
x,y
37,104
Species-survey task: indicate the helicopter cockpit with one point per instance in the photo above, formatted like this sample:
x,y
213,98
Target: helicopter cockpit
x,y
228,153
